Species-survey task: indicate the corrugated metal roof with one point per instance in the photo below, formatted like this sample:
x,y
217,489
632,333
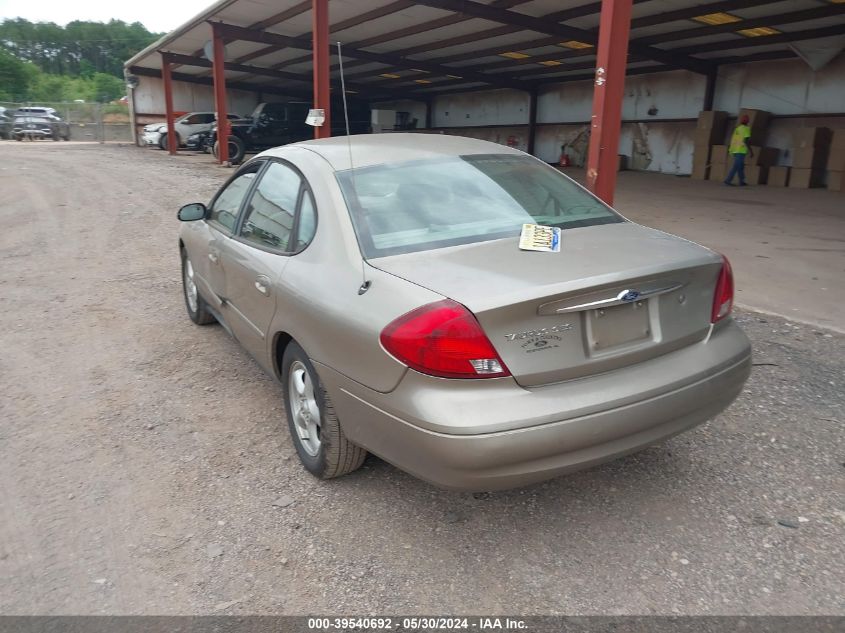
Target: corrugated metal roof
x,y
462,42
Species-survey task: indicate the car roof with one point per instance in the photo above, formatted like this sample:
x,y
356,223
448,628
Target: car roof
x,y
380,149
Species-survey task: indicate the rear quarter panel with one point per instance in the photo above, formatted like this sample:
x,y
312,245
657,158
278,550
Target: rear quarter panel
x,y
319,305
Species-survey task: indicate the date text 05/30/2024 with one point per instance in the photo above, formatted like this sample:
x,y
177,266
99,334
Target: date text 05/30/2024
x,y
416,624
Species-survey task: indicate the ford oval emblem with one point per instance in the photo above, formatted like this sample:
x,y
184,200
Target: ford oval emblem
x,y
628,295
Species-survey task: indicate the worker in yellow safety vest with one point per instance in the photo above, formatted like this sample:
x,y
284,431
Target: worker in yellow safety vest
x,y
738,149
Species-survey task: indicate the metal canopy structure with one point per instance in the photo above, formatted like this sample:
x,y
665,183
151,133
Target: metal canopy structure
x,y
415,49
420,49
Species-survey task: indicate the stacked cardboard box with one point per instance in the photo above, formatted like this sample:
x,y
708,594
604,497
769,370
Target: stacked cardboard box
x,y
810,150
709,130
758,164
778,176
836,162
718,163
758,121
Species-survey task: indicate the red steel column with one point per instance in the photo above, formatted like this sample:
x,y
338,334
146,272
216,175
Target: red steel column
x,y
219,71
320,45
606,122
172,144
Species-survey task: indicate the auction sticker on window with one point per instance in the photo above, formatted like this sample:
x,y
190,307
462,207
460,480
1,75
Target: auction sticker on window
x,y
536,237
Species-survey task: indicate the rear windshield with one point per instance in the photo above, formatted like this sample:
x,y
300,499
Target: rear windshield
x,y
428,204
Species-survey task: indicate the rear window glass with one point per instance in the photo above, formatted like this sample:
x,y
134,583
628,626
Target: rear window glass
x,y
428,204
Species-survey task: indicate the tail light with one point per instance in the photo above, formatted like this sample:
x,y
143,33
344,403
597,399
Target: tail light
x,y
443,339
723,300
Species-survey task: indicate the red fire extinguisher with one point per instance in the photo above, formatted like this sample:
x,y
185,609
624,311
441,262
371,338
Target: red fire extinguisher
x,y
564,157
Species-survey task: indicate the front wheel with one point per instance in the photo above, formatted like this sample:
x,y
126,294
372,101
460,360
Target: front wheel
x,y
314,426
197,307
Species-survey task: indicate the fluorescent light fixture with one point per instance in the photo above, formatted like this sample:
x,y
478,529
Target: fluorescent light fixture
x,y
717,18
422,81
760,31
551,62
390,76
514,55
575,45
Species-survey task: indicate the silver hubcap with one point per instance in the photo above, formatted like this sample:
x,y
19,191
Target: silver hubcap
x,y
303,405
190,286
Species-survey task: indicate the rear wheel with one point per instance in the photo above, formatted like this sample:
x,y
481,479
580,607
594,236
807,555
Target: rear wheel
x,y
195,304
314,426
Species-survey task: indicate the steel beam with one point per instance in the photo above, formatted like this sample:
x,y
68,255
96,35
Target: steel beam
x,y
167,76
606,120
549,27
233,32
219,74
322,54
532,121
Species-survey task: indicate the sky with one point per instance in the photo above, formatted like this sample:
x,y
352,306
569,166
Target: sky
x,y
157,15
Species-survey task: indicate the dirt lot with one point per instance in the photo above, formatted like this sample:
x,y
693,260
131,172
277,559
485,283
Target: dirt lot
x,y
141,456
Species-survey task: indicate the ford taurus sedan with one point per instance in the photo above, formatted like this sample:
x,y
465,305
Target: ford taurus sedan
x,y
380,279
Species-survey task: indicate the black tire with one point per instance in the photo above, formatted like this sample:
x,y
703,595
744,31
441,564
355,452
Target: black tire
x,y
163,141
201,315
336,455
237,150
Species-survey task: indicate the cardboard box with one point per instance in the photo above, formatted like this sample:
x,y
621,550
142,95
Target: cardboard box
x,y
811,137
758,121
809,158
700,172
835,180
805,178
756,175
719,154
838,139
711,127
763,156
717,172
778,176
836,159
700,156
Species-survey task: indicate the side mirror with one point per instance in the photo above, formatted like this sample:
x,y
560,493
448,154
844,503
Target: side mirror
x,y
191,212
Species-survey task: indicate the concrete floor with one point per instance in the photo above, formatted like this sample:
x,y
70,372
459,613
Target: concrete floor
x,y
787,246
143,459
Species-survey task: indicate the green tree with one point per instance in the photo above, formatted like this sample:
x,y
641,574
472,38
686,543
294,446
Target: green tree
x,y
107,87
14,78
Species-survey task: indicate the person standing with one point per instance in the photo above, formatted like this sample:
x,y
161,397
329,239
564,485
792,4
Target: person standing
x,y
738,149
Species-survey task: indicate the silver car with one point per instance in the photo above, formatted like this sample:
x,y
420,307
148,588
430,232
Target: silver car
x,y
380,279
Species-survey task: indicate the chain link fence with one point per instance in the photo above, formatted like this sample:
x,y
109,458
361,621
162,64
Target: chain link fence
x,y
93,122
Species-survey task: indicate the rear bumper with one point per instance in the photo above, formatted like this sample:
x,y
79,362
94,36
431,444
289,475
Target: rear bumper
x,y
594,419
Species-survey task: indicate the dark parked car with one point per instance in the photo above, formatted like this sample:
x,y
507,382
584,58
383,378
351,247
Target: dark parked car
x,y
275,124
6,123
37,127
199,141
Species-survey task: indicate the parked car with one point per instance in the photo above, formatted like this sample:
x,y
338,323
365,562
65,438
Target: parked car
x,y
7,122
38,127
155,134
199,141
38,111
275,124
394,304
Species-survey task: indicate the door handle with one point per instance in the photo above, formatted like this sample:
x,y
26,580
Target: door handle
x,y
213,257
262,285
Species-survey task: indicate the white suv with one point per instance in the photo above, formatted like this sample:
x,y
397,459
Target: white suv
x,y
191,123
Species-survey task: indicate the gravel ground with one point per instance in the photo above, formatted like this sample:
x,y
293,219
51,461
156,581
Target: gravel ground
x,y
145,466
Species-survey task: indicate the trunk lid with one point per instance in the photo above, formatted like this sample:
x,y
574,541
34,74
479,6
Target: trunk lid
x,y
615,295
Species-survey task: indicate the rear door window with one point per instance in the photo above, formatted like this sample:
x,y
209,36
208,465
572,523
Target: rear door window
x,y
269,217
